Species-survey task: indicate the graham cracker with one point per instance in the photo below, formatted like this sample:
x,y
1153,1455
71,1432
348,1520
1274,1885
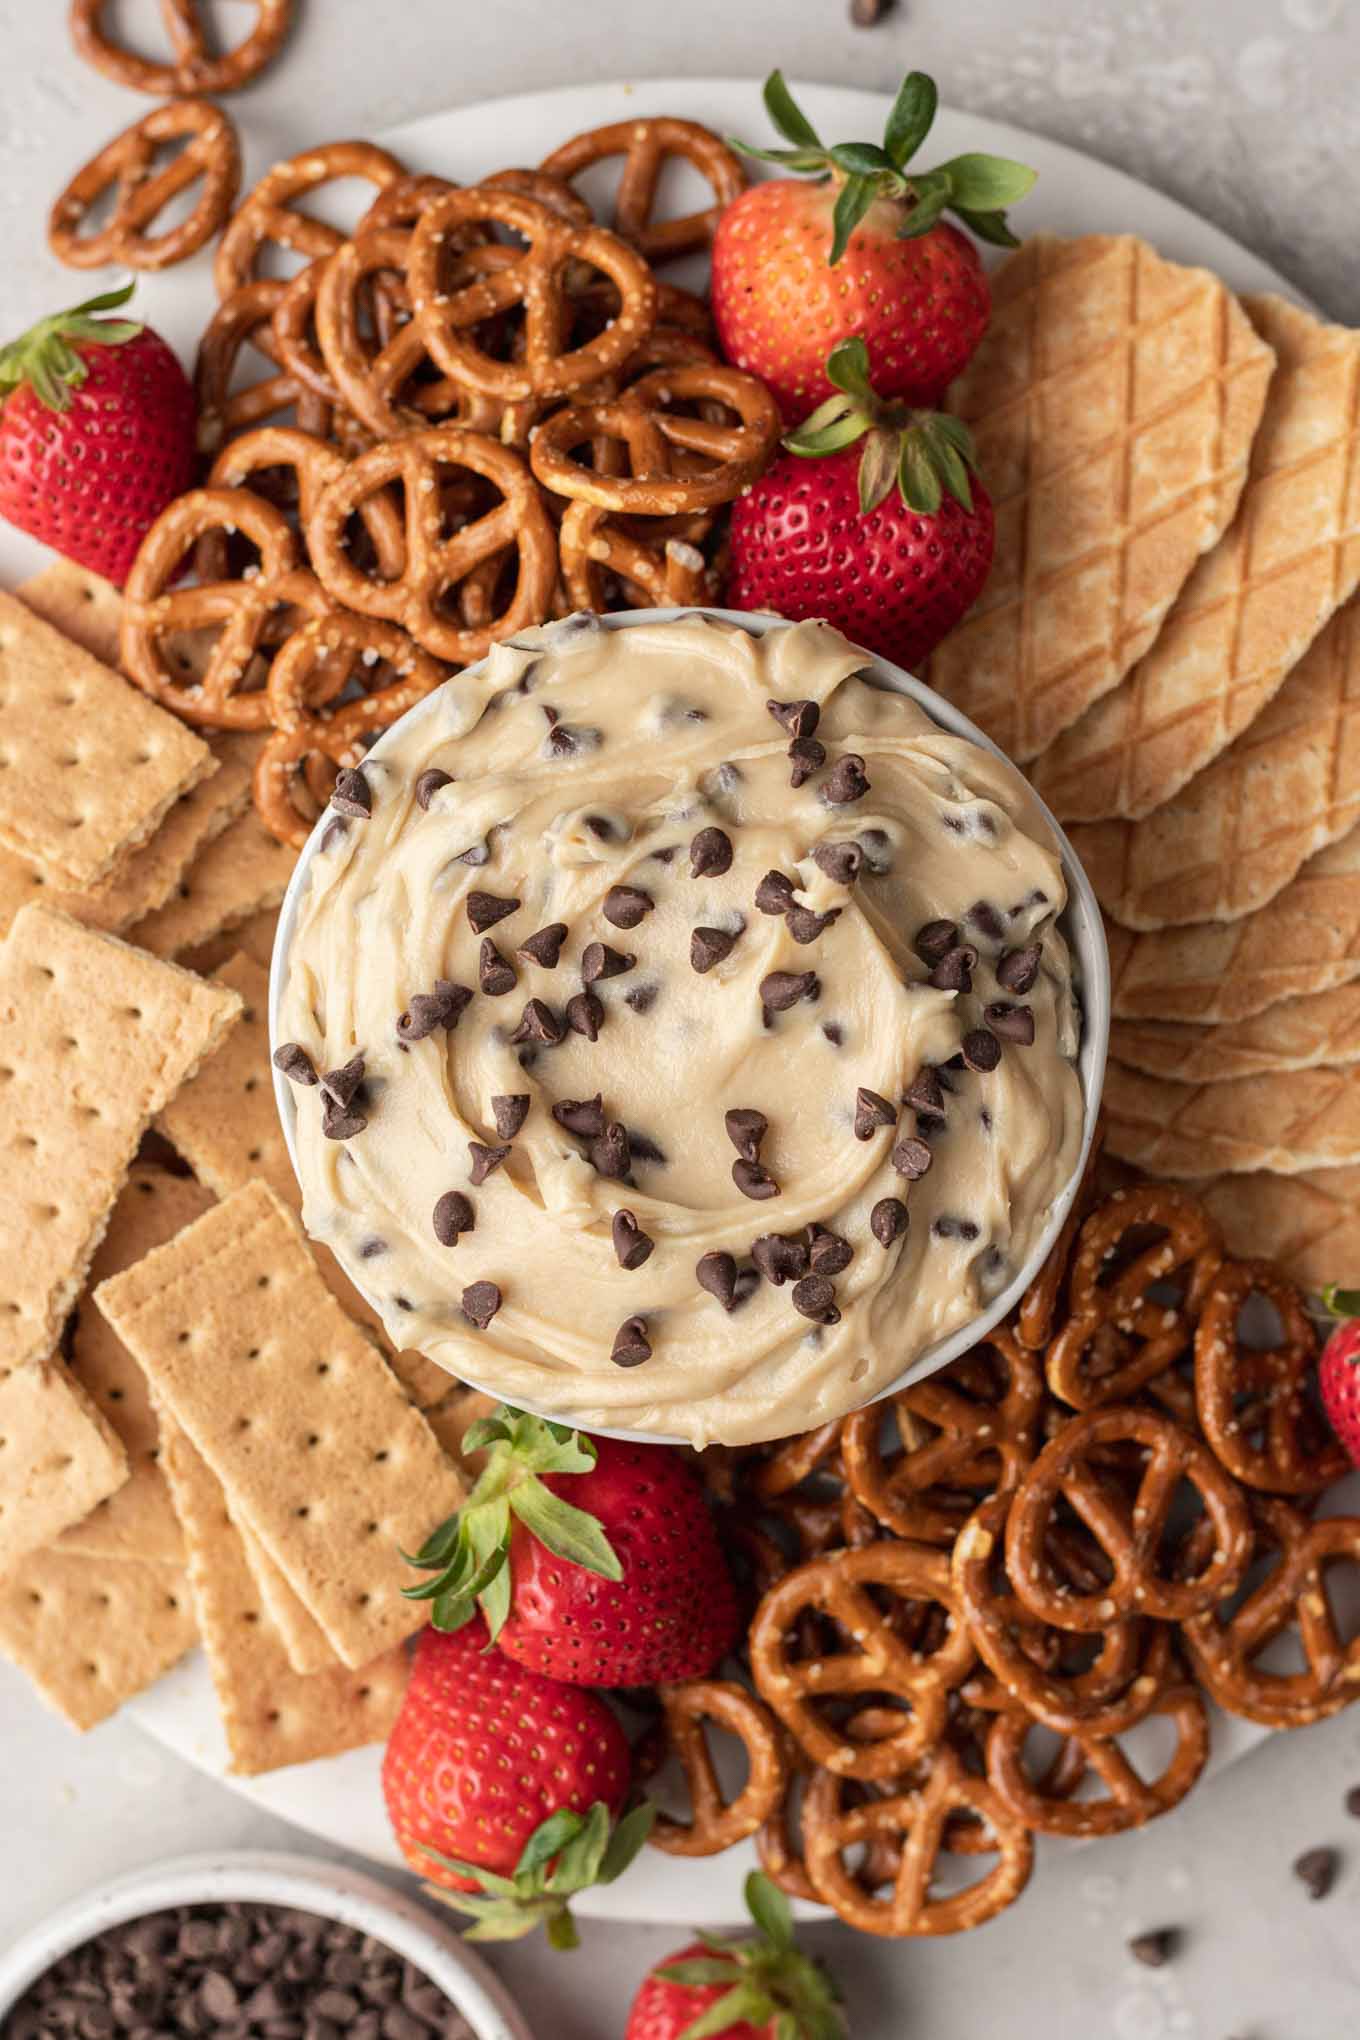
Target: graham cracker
x,y
1252,606
1309,1223
451,1418
1113,401
59,1458
1298,1034
294,1409
271,1715
1286,1121
139,1521
1307,939
90,1637
82,605
89,766
226,1125
94,1038
239,873
303,1639
253,938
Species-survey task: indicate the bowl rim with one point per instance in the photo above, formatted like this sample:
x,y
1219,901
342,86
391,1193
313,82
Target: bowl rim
x,y
1081,922
310,1884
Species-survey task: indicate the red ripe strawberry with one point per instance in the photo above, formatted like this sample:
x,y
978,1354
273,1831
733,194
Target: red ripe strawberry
x,y
96,433
503,1784
593,1560
798,268
892,543
759,1989
1339,1370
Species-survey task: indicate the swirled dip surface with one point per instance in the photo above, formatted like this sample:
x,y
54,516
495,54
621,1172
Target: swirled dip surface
x,y
584,759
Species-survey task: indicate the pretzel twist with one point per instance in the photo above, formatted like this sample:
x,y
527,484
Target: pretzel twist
x,y
656,439
267,215
1241,1391
140,193
245,320
193,70
645,147
717,1822
1130,1801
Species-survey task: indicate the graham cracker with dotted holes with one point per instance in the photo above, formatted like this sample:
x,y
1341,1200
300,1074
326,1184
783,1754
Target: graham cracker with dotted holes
x,y
253,938
90,1637
59,1457
239,873
95,1037
271,1715
294,1409
303,1638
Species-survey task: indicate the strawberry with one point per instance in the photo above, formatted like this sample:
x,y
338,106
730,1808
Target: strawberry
x,y
503,1785
96,433
866,249
892,543
1339,1369
760,1989
593,1560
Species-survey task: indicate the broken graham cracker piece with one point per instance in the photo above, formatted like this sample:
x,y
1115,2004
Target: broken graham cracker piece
x,y
90,1637
303,1638
1286,1121
1295,1035
237,875
59,1458
94,1038
1113,401
272,1716
253,938
92,765
82,605
1309,1223
139,1521
226,1126
294,1409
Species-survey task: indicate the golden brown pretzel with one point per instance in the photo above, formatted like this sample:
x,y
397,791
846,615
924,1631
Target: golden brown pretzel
x,y
438,560
660,480
313,463
373,372
1129,1532
1252,1403
401,203
542,186
1129,1802
915,1821
657,573
244,320
193,70
718,1823
267,214
645,146
538,280
140,193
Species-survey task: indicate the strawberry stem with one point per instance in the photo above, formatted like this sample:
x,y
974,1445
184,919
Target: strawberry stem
x,y
770,1983
1342,1303
927,453
566,1854
45,357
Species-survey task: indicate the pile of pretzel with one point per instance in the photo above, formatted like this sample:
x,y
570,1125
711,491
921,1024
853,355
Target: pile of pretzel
x,y
1101,1516
479,410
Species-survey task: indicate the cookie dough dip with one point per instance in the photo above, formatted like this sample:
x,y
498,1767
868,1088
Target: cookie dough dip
x,y
682,1035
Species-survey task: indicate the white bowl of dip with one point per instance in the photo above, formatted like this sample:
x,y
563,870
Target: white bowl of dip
x,y
1080,924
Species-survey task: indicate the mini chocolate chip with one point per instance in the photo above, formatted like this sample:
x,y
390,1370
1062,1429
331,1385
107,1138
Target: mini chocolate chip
x,y
710,854
370,1248
565,740
925,1093
872,1110
538,1022
334,833
806,756
984,917
846,782
428,785
583,1116
642,998
484,909
630,1347
947,1227
443,1007
485,1161
981,1050
1156,1947
815,1298
911,1158
746,1129
935,940
340,1122
342,1085
510,1110
1011,1023
1316,1870
717,1274
828,1252
841,862
495,974
611,1153
954,971
598,961
481,1301
774,894
295,1063
351,795
779,1258
453,1214
834,1033
799,718
1018,969
784,988
708,946
805,926
585,1015
753,1180
888,1220
544,947
631,1243
626,905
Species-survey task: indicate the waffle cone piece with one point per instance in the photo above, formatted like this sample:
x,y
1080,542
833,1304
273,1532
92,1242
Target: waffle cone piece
x,y
1114,402
1242,828
1285,1121
1252,606
1309,1223
1298,1034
